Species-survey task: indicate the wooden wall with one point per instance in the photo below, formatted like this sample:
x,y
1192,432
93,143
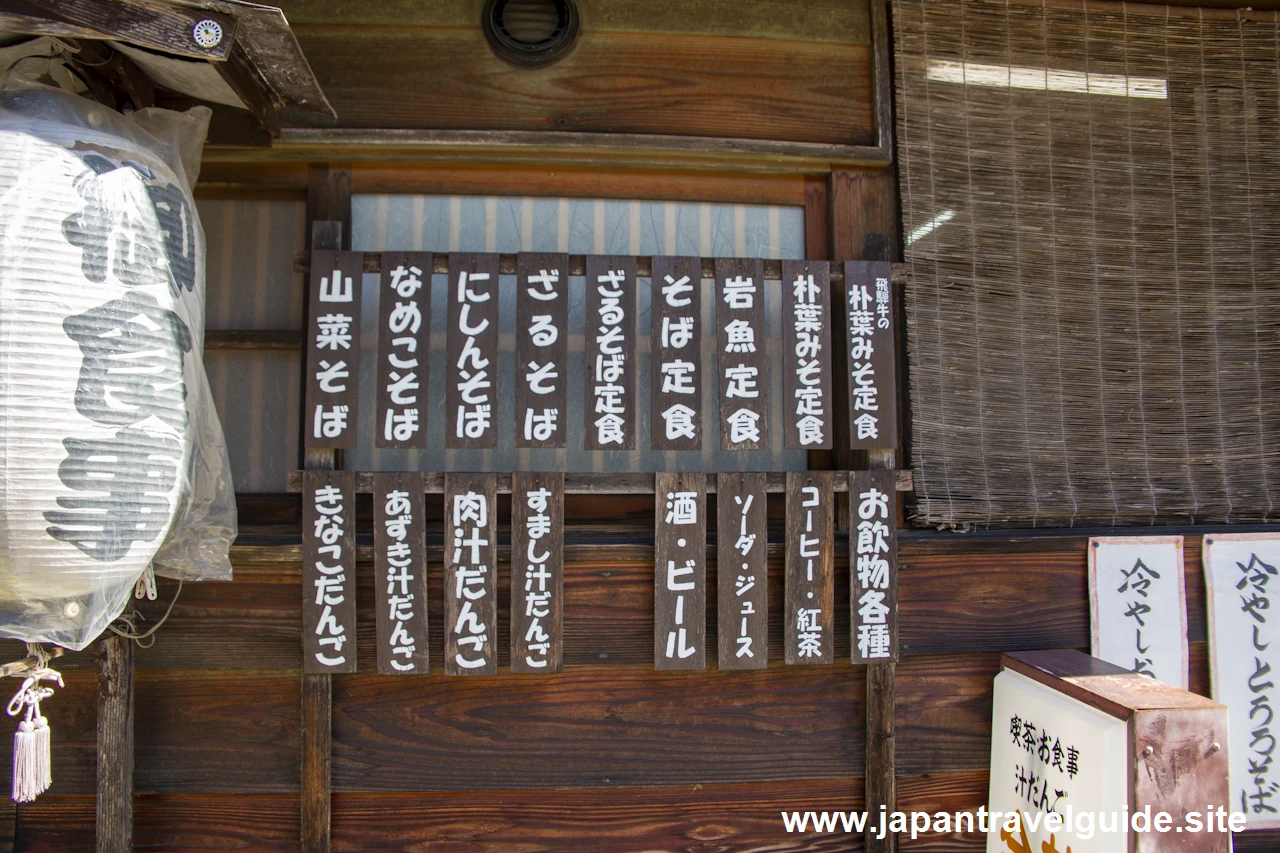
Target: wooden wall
x,y
608,755
751,70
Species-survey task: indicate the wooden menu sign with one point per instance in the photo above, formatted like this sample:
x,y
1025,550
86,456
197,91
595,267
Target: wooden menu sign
x,y
333,349
741,338
742,577
873,565
471,371
680,572
873,384
470,574
675,364
609,407
400,573
542,349
537,571
404,330
806,329
328,571
809,617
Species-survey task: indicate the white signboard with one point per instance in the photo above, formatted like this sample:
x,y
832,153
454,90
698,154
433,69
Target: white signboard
x,y
1137,605
1240,576
1052,755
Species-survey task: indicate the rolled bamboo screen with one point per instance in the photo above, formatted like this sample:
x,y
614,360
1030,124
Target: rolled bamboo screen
x,y
1092,215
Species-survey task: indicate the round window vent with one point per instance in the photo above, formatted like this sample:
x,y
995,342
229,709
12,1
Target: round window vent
x,y
530,32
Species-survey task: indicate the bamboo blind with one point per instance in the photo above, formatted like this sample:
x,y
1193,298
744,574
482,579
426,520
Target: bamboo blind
x,y
1093,322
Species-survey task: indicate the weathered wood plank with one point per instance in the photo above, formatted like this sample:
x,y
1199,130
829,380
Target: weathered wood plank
x,y
577,729
114,824
943,713
684,85
822,21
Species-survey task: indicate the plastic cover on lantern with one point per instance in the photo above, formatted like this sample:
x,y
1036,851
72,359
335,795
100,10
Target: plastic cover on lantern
x,y
111,454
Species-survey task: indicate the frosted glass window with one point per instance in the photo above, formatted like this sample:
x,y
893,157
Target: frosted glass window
x,y
576,226
250,284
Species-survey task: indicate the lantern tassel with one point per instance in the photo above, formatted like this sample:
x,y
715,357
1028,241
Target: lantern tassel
x,y
32,749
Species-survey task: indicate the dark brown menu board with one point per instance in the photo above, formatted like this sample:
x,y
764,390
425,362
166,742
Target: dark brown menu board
x,y
873,384
675,362
741,338
806,331
873,565
470,574
400,573
609,404
809,618
742,575
537,571
680,572
471,373
542,349
328,571
404,331
333,349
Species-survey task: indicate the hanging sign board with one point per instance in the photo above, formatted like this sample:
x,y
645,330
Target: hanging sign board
x,y
740,354
333,349
404,329
471,372
809,618
1137,605
609,406
400,573
680,571
328,571
806,329
542,349
873,565
742,575
470,574
872,374
675,346
537,571
1242,576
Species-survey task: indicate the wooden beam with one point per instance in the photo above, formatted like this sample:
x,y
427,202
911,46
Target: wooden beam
x,y
115,745
577,266
589,484
561,148
277,340
251,88
97,59
150,23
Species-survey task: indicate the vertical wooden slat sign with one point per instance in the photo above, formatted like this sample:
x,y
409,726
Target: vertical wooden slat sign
x,y
472,370
873,395
675,344
680,571
328,571
806,329
742,578
404,329
333,349
542,349
400,573
537,571
609,407
740,354
809,618
470,574
873,565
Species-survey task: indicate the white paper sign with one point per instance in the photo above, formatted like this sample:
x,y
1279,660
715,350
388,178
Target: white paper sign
x,y
1051,753
1137,605
1240,576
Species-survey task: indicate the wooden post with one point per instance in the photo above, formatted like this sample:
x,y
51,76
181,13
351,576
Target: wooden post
x,y
863,225
115,745
329,215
